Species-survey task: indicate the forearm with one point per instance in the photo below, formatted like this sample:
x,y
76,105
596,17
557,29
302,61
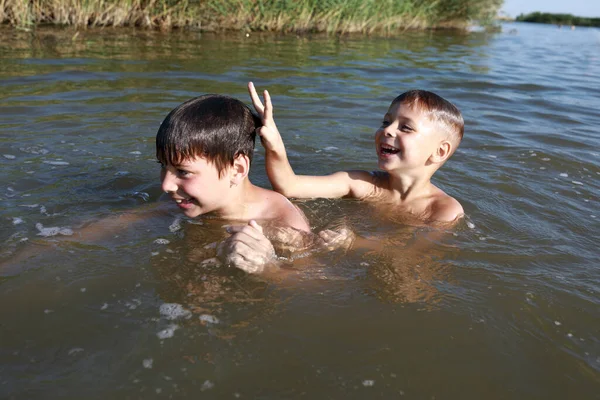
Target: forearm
x,y
280,171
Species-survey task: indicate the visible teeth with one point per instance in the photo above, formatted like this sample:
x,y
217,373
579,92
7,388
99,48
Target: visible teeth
x,y
178,201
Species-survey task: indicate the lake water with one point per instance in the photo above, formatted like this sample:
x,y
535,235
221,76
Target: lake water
x,y
505,305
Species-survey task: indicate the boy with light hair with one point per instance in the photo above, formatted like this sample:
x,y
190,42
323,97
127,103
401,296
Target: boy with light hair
x,y
419,132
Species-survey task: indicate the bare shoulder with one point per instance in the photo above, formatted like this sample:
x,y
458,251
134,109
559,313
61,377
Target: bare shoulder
x,y
362,183
278,208
445,208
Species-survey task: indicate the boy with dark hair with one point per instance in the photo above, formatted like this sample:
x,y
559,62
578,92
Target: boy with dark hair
x,y
419,132
205,148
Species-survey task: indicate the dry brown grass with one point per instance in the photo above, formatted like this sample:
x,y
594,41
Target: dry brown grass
x,y
335,16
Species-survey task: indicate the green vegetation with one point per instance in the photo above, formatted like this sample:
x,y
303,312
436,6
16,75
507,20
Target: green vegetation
x,y
339,16
558,19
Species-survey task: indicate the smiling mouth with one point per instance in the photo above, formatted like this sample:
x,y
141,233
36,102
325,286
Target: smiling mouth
x,y
183,201
386,149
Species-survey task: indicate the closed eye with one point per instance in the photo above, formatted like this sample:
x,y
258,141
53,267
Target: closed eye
x,y
406,128
182,172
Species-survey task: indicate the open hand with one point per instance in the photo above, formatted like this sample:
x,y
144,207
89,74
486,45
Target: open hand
x,y
269,134
247,249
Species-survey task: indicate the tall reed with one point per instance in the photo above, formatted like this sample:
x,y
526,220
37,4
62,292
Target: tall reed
x,y
339,16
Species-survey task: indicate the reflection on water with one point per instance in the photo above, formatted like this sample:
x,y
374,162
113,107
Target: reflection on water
x,y
512,290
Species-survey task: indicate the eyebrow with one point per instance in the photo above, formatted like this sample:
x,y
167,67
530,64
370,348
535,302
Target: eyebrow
x,y
401,118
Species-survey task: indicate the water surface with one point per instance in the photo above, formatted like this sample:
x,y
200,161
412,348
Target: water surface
x,y
503,306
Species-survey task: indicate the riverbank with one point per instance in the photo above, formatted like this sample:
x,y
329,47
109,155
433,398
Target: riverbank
x,y
299,16
559,19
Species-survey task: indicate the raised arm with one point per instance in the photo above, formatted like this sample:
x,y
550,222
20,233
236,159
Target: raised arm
x,y
284,180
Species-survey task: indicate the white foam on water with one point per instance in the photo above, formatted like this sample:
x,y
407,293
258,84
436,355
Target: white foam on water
x,y
9,156
209,319
56,162
330,148
147,363
48,311
176,225
577,183
207,385
17,220
368,382
75,350
168,332
83,290
121,173
564,175
104,306
34,150
173,311
133,304
28,205
210,262
557,323
145,196
43,210
135,152
53,231
154,253
492,156
470,225
162,241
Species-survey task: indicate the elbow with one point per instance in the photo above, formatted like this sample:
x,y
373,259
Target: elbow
x,y
286,191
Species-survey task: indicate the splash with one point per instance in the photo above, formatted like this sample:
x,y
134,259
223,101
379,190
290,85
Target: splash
x,y
53,231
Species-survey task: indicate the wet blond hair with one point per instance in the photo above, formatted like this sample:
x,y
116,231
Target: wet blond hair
x,y
438,110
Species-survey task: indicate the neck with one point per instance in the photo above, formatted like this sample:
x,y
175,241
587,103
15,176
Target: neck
x,y
237,201
407,187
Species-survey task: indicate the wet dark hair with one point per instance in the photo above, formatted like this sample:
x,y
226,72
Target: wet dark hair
x,y
437,109
218,128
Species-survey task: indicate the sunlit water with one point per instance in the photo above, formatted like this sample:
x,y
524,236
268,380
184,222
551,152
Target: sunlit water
x,y
506,305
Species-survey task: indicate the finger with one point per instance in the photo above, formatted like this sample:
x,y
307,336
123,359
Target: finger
x,y
255,232
233,229
259,244
258,105
256,226
241,251
327,233
268,108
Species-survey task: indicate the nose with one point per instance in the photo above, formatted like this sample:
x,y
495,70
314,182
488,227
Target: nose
x,y
168,183
389,131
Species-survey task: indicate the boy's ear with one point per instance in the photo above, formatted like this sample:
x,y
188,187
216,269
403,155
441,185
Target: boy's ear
x,y
442,152
239,169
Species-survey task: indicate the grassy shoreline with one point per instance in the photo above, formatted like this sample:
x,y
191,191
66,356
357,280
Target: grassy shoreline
x,y
297,16
559,19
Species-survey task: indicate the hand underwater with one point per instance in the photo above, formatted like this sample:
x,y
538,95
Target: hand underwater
x,y
247,249
332,240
